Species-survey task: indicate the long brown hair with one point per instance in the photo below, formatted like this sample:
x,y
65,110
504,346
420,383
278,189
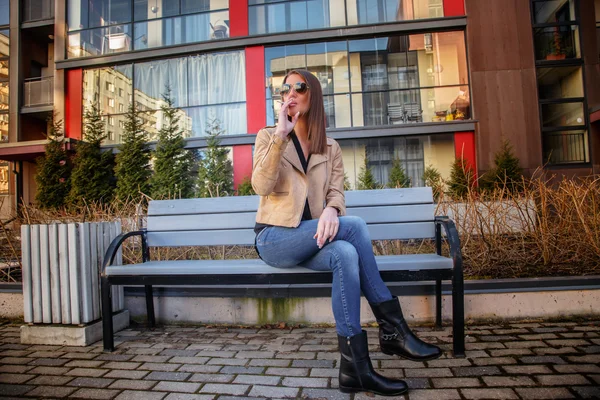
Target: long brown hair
x,y
315,116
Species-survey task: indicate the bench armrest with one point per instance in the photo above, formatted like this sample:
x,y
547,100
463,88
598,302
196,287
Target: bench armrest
x,y
111,252
453,240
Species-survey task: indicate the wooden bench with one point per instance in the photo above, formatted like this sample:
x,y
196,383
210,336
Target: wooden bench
x,y
390,214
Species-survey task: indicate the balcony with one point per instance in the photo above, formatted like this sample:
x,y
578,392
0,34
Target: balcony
x,y
38,92
38,10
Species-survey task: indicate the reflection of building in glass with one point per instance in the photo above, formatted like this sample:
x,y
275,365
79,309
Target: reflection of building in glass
x,y
111,89
3,178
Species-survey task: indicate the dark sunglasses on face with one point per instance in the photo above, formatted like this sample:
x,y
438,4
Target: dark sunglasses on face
x,y
299,87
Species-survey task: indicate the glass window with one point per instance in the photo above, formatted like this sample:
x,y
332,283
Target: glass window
x,y
377,11
3,178
560,82
563,114
4,43
97,84
292,15
414,152
194,6
553,11
566,147
4,12
153,79
557,43
151,9
96,42
381,81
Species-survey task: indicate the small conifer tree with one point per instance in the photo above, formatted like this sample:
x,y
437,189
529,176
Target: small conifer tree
x,y
506,172
215,172
245,188
173,164
347,184
92,179
53,169
398,178
462,179
433,179
366,179
133,160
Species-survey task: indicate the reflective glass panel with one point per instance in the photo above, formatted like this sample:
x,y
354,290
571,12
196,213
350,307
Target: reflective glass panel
x,y
217,78
3,178
4,43
557,43
151,9
110,88
154,79
554,11
3,69
3,96
95,42
4,127
560,82
4,12
562,114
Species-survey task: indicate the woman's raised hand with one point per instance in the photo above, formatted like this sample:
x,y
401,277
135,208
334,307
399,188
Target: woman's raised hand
x,y
285,126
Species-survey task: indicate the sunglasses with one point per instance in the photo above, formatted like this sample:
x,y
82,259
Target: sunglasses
x,y
299,87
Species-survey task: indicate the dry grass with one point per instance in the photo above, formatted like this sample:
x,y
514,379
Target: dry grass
x,y
548,229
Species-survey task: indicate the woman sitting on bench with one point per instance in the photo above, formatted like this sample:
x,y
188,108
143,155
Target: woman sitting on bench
x,y
299,175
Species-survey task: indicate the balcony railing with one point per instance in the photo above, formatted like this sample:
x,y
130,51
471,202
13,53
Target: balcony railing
x,y
35,10
38,91
565,148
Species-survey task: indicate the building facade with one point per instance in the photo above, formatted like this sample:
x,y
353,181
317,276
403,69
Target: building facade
x,y
422,81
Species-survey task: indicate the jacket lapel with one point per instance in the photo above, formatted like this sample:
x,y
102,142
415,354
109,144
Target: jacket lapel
x,y
291,155
316,159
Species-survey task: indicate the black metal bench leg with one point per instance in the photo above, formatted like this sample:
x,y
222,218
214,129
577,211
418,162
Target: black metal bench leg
x,y
438,304
107,321
458,317
150,306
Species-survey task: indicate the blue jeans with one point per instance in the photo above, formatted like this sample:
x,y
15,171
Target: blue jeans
x,y
349,257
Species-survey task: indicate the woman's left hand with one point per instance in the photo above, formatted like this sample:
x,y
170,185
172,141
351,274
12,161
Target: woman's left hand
x,y
328,226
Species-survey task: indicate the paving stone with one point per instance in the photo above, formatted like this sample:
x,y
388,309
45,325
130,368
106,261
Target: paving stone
x,y
270,363
126,374
525,344
187,396
331,394
216,354
178,352
15,369
449,362
132,384
227,361
438,394
257,380
589,359
544,393
209,369
306,382
51,380
49,370
138,395
50,362
121,365
399,363
242,370
428,372
51,391
16,360
114,357
183,387
273,392
542,351
510,352
306,355
324,372
189,360
476,353
313,363
15,378
587,392
212,378
167,376
229,389
91,382
80,356
568,342
542,360
494,361
455,382
501,394
508,381
578,368
476,371
526,369
101,394
287,371
14,390
485,346
84,364
539,336
92,372
165,367
418,383
562,380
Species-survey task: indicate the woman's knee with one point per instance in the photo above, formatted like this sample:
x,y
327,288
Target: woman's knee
x,y
345,252
355,224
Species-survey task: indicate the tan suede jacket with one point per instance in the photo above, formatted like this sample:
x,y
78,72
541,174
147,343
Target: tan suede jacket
x,y
279,179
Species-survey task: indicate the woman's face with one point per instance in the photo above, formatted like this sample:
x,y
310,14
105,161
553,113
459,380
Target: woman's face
x,y
298,102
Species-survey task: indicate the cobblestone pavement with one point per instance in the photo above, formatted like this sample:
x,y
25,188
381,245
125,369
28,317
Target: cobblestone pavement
x,y
534,360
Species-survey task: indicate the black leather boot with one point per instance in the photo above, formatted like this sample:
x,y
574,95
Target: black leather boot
x,y
356,370
395,337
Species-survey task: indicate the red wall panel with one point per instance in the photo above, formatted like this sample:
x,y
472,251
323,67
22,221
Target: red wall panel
x,y
74,103
464,146
238,18
453,8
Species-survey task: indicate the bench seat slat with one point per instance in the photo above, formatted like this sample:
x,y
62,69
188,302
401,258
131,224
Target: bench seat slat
x,y
246,220
245,237
354,198
406,262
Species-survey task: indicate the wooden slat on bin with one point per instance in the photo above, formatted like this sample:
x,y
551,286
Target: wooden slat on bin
x,y
44,246
63,262
95,260
36,278
26,273
54,273
85,272
74,273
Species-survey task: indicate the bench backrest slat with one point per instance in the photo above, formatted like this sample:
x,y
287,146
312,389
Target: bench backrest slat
x,y
390,213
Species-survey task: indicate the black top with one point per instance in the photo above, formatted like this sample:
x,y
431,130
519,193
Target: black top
x,y
306,213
